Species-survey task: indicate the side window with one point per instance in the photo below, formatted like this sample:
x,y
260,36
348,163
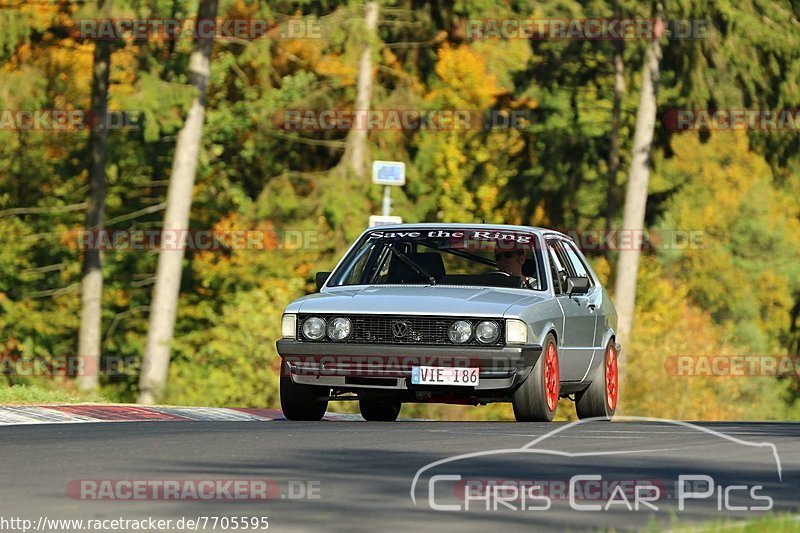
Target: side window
x,y
575,260
354,276
557,269
382,267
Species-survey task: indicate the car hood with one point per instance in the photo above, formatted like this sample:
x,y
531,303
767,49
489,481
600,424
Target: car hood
x,y
416,300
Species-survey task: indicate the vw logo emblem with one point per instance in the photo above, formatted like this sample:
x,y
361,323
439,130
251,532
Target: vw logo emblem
x,y
400,329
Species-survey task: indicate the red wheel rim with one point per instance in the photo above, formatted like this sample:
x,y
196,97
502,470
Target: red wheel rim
x,y
612,378
551,383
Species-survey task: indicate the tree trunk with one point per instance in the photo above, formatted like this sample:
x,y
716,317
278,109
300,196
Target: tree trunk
x,y
356,149
90,334
163,307
636,193
613,148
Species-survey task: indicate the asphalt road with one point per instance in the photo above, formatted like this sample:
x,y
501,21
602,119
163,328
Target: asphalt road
x,y
359,475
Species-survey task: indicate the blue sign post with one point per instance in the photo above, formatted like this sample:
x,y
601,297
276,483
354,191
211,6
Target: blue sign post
x,y
388,174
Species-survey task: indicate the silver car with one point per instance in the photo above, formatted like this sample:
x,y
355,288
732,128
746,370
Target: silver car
x,y
453,313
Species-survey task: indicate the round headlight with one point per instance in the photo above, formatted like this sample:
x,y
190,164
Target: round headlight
x,y
339,329
460,332
314,328
487,332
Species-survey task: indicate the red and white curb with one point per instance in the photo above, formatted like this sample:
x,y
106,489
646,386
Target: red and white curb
x,y
11,415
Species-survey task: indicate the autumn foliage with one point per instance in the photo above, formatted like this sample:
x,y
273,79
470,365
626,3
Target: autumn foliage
x,y
738,293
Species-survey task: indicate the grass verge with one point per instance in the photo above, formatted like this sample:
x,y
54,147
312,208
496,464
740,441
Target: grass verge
x,y
35,394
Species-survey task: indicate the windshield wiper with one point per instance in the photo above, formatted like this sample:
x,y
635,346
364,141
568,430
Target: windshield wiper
x,y
418,269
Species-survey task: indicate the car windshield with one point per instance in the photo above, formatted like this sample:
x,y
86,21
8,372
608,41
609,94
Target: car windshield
x,y
488,258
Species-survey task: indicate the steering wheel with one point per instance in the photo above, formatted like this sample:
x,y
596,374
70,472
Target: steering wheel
x,y
498,273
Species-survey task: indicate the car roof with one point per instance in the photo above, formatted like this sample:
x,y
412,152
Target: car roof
x,y
451,225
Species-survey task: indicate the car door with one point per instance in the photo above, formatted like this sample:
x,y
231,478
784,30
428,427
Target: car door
x,y
580,320
594,297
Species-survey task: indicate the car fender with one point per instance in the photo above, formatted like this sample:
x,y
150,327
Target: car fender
x,y
547,328
542,318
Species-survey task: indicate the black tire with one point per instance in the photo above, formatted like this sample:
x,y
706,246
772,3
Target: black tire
x,y
599,400
379,410
302,402
530,400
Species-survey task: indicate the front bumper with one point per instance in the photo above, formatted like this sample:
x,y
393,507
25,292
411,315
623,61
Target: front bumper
x,y
388,366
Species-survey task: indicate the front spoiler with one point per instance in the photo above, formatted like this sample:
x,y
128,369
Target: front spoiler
x,y
389,365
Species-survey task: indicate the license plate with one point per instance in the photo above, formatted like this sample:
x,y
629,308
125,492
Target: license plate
x,y
443,375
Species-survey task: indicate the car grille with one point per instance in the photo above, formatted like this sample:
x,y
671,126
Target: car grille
x,y
377,329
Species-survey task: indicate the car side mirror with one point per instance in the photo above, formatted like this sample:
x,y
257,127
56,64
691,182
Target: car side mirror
x,y
321,278
577,285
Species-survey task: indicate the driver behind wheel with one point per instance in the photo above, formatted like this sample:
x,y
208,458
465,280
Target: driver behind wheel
x,y
510,262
